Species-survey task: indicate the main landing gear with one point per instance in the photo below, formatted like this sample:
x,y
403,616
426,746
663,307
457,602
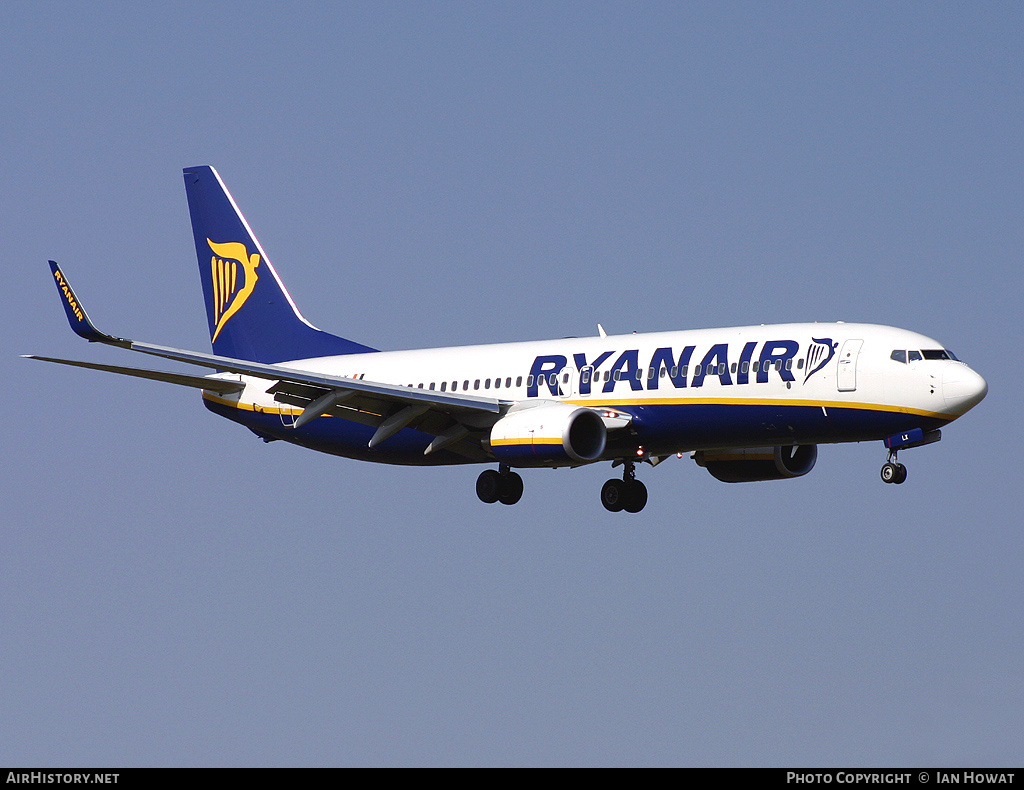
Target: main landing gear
x,y
503,486
627,494
893,472
506,486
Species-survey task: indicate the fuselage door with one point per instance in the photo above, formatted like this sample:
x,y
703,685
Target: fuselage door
x,y
847,370
568,381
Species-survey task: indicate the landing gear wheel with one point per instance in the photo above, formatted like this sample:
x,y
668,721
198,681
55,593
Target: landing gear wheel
x,y
893,472
636,496
627,494
510,489
614,495
488,486
504,486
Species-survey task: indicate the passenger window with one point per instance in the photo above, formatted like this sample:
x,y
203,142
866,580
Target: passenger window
x,y
799,364
476,384
639,374
508,382
733,367
487,384
664,373
529,380
789,364
899,356
444,386
696,370
585,376
650,374
519,381
618,375
432,385
745,367
553,380
606,375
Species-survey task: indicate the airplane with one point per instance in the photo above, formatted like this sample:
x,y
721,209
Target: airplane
x,y
746,403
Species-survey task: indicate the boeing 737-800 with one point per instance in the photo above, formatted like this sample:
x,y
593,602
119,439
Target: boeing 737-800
x,y
747,403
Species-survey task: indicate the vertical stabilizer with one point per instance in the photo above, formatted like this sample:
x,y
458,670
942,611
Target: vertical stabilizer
x,y
250,312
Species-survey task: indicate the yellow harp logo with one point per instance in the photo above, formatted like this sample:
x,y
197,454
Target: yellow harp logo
x,y
234,278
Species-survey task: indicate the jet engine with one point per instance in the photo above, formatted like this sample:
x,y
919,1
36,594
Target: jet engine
x,y
747,464
549,434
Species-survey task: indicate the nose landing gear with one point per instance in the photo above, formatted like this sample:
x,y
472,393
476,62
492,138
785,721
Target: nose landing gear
x,y
627,494
892,471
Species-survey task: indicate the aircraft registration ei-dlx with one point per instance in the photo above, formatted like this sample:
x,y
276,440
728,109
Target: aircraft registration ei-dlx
x,y
747,403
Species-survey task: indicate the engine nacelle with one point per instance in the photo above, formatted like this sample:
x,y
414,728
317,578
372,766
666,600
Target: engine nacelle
x,y
747,464
551,434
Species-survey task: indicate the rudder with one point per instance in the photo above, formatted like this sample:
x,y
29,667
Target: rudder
x,y
250,313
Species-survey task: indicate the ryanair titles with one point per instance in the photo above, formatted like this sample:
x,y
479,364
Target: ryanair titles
x,y
68,295
666,367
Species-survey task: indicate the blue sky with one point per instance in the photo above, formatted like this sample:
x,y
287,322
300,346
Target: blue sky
x,y
174,592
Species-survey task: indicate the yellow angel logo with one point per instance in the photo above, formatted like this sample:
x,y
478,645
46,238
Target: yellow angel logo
x,y
229,290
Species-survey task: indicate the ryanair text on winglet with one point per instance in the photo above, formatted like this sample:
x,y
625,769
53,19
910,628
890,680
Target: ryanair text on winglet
x,y
62,284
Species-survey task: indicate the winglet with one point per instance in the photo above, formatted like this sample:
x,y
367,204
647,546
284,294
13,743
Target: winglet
x,y
77,317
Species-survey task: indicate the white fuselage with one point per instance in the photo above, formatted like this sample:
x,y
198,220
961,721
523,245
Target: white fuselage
x,y
686,390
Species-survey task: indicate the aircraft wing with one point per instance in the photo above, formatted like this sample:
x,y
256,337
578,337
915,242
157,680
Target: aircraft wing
x,y
199,382
448,416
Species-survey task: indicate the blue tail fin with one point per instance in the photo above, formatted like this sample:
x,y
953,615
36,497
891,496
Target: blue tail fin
x,y
251,315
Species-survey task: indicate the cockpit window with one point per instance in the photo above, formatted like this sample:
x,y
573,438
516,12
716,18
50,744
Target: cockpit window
x,y
930,353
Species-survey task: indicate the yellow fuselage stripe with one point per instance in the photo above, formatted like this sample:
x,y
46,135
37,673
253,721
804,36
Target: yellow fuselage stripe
x,y
623,403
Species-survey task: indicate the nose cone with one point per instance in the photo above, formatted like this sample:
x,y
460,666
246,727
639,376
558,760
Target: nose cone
x,y
962,388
